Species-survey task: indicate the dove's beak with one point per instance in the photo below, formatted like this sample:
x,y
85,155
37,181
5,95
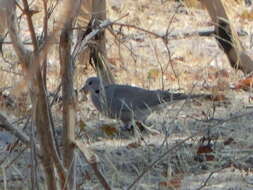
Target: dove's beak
x,y
84,90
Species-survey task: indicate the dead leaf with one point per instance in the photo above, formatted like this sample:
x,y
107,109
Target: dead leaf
x,y
222,85
86,176
170,76
245,83
209,157
82,125
221,73
19,88
114,60
247,14
153,74
219,98
134,145
204,149
229,141
174,183
109,130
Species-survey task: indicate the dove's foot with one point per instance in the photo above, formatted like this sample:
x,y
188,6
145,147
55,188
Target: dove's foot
x,y
127,127
140,126
130,127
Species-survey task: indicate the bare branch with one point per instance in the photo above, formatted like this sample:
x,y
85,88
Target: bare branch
x,y
30,24
92,160
21,51
4,123
69,101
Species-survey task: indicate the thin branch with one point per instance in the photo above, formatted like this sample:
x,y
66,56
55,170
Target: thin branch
x,y
12,72
30,24
4,123
16,158
207,179
81,46
138,28
21,51
45,32
92,160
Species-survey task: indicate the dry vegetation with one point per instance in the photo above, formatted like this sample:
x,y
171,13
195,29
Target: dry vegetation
x,y
198,144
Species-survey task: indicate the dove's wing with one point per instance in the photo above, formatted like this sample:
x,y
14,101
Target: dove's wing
x,y
139,98
127,102
131,97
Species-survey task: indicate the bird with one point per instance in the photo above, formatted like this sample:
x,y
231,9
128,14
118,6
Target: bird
x,y
128,103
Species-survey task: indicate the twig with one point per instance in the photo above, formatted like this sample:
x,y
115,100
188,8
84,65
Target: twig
x,y
92,161
79,47
99,176
15,159
30,24
165,41
207,179
12,72
45,32
34,151
56,95
4,177
205,32
138,28
4,123
13,179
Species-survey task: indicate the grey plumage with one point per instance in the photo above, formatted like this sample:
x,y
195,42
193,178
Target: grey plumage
x,y
126,102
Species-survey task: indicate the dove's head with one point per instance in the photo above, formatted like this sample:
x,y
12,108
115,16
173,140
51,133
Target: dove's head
x,y
92,85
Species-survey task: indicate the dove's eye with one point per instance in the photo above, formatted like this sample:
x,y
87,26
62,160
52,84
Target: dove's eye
x,y
90,83
97,91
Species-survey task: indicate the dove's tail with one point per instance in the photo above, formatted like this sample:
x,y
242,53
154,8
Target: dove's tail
x,y
181,96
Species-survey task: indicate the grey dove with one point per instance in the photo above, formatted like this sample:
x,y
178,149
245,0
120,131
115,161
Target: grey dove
x,y
128,103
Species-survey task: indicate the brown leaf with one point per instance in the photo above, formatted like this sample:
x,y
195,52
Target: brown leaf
x,y
245,83
204,149
221,73
247,14
113,60
219,98
229,141
153,74
223,85
87,176
134,145
173,183
19,88
82,125
109,130
209,157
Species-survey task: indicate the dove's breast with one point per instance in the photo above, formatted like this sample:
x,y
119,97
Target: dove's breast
x,y
104,103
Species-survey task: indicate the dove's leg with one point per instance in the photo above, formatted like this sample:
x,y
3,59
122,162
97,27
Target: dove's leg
x,y
140,126
129,126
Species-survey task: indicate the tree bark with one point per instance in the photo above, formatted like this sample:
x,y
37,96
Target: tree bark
x,y
98,52
227,39
69,97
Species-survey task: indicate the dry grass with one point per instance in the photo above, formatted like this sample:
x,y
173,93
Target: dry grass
x,y
192,64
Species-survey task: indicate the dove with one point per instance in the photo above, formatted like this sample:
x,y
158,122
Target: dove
x,y
128,103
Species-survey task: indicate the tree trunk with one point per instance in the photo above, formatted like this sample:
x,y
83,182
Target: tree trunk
x,y
69,97
226,37
98,53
